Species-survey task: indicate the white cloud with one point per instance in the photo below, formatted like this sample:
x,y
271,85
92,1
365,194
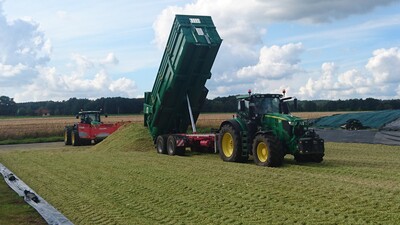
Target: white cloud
x,y
110,59
381,80
88,79
25,53
275,62
385,65
353,78
10,70
331,85
237,20
324,84
123,85
316,11
82,62
22,47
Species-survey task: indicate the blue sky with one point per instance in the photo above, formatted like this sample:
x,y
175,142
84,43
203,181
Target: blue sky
x,y
55,50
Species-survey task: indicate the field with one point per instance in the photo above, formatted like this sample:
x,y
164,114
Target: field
x,y
123,180
38,127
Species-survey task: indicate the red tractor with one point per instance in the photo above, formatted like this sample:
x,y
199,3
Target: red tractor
x,y
89,128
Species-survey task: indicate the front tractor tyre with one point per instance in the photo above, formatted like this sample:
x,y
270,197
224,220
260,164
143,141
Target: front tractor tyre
x,y
75,141
230,144
161,144
267,151
67,136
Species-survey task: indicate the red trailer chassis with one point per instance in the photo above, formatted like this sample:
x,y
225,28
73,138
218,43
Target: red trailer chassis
x,y
176,144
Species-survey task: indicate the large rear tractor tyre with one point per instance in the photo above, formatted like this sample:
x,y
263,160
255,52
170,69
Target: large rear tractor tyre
x,y
161,144
267,151
75,141
67,136
172,149
230,144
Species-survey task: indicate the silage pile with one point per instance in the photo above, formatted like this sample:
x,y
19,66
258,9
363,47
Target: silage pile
x,y
130,137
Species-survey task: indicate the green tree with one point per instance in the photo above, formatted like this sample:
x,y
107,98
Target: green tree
x,y
7,106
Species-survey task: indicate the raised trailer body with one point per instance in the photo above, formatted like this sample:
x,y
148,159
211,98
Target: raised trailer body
x,y
179,89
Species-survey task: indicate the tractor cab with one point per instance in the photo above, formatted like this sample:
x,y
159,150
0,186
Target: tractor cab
x,y
89,117
255,106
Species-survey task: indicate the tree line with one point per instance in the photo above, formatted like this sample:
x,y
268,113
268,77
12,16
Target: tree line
x,y
114,105
119,105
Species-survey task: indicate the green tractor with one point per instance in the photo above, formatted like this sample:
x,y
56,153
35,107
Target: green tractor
x,y
264,128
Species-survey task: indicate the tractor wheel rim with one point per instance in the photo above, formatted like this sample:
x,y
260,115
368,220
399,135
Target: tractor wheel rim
x,y
72,139
262,152
65,137
227,144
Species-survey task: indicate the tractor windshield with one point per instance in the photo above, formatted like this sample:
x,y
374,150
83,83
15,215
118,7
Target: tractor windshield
x,y
266,105
91,118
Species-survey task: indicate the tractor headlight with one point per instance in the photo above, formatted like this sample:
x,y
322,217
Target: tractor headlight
x,y
292,123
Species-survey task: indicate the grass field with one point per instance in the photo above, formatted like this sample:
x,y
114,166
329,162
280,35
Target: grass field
x,y
124,181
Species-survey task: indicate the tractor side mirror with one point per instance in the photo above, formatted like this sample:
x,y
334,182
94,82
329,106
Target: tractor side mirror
x,y
295,103
242,106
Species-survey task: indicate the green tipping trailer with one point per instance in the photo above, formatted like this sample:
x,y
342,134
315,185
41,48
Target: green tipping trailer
x,y
180,83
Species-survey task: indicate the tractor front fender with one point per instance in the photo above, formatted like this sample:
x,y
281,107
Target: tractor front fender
x,y
241,128
236,123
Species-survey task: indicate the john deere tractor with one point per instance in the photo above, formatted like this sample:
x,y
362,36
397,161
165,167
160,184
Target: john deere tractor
x,y
265,129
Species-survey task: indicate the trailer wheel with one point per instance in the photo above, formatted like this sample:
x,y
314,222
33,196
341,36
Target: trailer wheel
x,y
67,136
161,144
172,149
230,144
75,138
267,151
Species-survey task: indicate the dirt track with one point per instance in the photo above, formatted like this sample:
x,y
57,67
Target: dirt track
x,y
34,146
